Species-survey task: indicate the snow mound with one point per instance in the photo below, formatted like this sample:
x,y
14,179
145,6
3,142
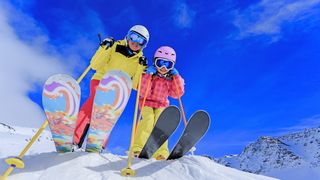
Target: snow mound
x,y
82,165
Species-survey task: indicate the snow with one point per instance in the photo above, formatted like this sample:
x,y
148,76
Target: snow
x,y
42,162
14,139
82,165
297,173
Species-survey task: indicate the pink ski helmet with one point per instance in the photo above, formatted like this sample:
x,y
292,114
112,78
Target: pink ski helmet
x,y
165,52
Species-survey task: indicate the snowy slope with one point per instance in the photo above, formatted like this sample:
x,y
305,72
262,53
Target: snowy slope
x,y
43,163
14,139
292,156
82,165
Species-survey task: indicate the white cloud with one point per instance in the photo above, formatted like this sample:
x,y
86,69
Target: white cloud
x,y
184,16
22,66
269,16
301,125
310,122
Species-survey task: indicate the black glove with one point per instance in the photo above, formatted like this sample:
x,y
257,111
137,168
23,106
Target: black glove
x,y
108,42
143,61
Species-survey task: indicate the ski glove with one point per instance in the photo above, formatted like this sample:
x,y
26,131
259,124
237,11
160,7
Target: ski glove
x,y
108,42
143,61
174,72
151,70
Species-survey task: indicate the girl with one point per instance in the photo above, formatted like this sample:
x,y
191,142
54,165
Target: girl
x,y
162,85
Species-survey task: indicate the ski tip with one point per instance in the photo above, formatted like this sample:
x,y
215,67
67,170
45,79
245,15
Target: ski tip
x,y
172,106
118,76
64,79
173,110
203,113
205,117
57,77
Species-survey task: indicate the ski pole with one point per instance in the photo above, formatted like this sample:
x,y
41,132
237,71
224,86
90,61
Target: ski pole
x,y
128,171
100,41
183,114
17,161
180,102
142,105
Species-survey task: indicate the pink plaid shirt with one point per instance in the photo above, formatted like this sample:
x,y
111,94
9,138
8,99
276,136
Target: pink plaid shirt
x,y
159,90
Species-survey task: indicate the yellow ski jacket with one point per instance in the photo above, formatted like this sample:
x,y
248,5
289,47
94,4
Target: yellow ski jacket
x,y
117,57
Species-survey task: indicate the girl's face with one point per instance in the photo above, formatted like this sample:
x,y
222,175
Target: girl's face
x,y
134,46
163,70
163,65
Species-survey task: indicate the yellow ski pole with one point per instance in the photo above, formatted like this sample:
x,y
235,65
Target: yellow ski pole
x,y
128,171
17,161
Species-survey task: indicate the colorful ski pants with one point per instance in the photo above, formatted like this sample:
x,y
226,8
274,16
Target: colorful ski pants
x,y
84,116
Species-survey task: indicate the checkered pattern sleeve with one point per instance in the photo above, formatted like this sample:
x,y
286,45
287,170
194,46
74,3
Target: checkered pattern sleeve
x,y
176,86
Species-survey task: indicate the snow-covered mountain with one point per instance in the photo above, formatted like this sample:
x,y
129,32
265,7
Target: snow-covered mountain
x,y
43,163
292,156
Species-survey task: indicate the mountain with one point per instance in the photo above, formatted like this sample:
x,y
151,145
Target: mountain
x,y
291,156
43,163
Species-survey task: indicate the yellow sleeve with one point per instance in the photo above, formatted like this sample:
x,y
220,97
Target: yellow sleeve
x,y
136,77
100,58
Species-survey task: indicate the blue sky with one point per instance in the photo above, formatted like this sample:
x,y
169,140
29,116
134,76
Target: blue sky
x,y
253,65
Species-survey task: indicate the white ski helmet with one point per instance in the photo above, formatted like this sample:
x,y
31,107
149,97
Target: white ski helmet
x,y
140,29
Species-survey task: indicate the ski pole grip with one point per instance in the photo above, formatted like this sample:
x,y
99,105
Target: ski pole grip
x,y
99,36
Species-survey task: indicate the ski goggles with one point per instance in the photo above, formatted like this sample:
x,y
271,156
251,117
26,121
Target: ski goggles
x,y
136,37
160,63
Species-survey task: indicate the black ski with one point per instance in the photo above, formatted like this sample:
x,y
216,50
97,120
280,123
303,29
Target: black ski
x,y
196,128
166,124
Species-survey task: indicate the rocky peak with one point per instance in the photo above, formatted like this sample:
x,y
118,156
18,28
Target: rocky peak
x,y
287,151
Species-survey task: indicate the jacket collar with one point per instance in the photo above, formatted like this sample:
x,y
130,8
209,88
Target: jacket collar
x,y
122,48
